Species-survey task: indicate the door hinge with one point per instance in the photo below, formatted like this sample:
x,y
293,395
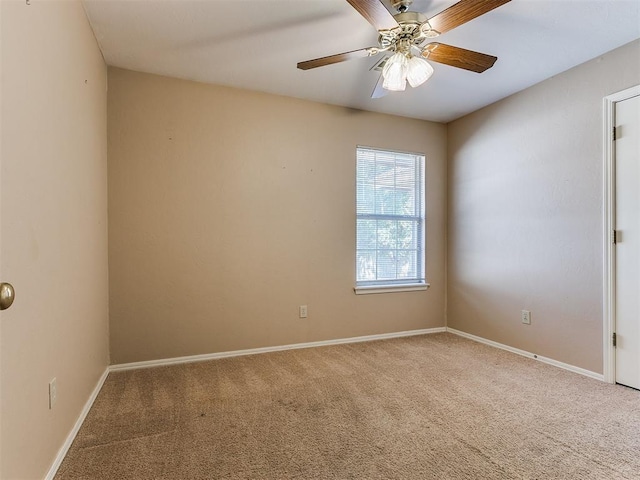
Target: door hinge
x,y
615,134
615,340
614,237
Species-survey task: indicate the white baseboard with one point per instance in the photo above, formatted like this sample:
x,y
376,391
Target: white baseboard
x,y
517,351
254,351
76,427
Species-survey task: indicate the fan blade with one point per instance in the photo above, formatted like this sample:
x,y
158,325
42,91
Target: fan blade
x,y
375,13
378,91
458,57
340,57
462,12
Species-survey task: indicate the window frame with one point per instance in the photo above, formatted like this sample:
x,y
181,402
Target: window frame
x,y
396,285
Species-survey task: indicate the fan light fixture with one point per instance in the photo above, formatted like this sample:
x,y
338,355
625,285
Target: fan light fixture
x,y
401,68
419,71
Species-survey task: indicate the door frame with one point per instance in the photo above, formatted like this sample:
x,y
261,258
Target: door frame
x,y
609,195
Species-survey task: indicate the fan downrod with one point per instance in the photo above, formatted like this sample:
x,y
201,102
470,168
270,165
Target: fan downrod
x,y
401,6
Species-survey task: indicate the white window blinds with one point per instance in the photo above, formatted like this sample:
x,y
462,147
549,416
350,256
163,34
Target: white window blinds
x,y
390,208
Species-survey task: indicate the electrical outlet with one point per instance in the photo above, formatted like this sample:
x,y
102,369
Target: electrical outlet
x,y
303,311
526,317
53,393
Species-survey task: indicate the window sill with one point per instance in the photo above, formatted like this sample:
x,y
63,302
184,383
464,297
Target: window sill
x,y
390,288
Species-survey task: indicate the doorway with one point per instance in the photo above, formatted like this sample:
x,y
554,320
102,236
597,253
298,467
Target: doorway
x,y
622,238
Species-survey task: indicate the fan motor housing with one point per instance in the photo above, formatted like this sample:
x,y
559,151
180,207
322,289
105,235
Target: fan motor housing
x,y
409,30
415,18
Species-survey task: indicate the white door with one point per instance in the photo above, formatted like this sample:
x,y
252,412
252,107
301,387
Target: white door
x,y
627,250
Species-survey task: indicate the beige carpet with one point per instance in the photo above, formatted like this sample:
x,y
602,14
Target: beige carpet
x,y
428,407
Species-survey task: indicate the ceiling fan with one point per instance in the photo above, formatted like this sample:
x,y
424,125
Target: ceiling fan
x,y
404,34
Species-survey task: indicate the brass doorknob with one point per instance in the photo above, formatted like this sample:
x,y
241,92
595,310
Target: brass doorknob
x,y
7,295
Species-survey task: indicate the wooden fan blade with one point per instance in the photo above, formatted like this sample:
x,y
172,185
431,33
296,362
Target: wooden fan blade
x,y
462,12
458,57
340,57
378,90
375,13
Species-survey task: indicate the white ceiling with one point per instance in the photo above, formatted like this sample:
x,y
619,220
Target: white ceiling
x,y
256,44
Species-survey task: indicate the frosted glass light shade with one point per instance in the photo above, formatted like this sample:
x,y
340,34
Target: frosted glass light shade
x,y
395,73
419,71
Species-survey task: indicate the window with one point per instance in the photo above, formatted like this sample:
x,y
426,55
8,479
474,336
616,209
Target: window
x,y
390,200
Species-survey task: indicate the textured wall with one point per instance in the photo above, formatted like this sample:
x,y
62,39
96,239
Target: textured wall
x,y
228,209
525,213
54,227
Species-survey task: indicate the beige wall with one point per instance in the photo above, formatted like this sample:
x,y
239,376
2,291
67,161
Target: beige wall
x,y
228,209
526,216
54,227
